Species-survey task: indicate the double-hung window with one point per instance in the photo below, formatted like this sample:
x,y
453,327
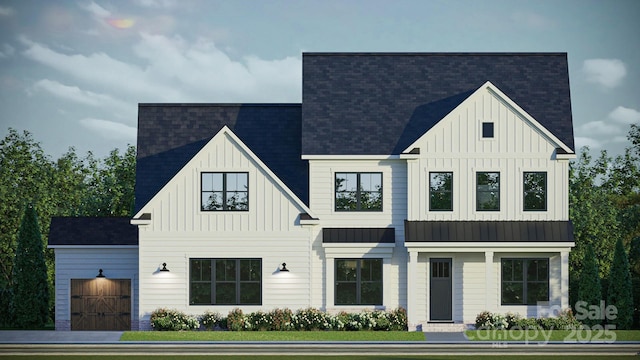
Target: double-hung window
x,y
358,191
488,191
358,282
525,281
225,191
440,191
225,282
535,191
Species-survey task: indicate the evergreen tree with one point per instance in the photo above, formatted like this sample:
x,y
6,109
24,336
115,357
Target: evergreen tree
x,y
620,290
30,288
589,284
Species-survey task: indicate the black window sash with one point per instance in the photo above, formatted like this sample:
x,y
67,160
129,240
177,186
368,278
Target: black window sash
x,y
525,278
225,192
359,191
359,281
237,281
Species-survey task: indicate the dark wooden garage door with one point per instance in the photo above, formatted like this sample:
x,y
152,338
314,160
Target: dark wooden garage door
x,y
100,304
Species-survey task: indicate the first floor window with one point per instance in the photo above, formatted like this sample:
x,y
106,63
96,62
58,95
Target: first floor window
x,y
535,191
440,191
358,191
225,282
225,191
525,281
358,282
488,191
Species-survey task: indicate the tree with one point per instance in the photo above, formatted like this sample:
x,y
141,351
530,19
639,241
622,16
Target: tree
x,y
30,285
589,290
620,289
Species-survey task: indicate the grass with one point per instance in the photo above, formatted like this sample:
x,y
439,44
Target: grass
x,y
272,336
554,335
312,357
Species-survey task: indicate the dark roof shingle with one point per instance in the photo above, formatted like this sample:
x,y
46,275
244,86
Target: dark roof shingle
x,y
92,231
380,103
169,135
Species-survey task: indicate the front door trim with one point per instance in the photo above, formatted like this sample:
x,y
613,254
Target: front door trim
x,y
441,290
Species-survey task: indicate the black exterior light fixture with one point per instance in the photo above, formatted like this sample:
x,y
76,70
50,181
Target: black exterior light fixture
x,y
100,274
284,268
164,267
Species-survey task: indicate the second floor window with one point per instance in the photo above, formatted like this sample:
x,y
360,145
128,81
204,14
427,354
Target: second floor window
x,y
225,191
440,191
488,191
358,191
535,191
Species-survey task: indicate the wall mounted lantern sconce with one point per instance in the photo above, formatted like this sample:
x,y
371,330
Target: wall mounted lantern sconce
x,y
100,274
284,268
164,267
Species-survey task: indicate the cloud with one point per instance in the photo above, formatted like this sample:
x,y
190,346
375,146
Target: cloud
x,y
174,70
97,10
600,127
109,129
625,115
6,11
606,72
7,51
586,141
75,94
166,4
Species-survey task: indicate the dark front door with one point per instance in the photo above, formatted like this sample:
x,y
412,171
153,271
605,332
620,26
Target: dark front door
x,y
100,304
440,290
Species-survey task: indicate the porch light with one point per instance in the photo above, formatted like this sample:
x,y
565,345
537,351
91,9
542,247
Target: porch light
x,y
100,274
284,267
164,267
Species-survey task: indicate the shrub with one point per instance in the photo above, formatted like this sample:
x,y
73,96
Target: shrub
x,y
527,324
212,320
311,319
512,319
172,320
564,321
259,321
398,319
484,320
281,319
236,321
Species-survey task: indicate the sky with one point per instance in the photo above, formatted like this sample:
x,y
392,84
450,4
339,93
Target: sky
x,y
73,72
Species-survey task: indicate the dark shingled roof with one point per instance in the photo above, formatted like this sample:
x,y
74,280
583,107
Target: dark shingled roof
x,y
92,231
489,231
169,135
358,235
380,103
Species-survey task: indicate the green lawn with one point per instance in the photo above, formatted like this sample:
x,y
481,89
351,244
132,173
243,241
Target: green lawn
x,y
555,335
272,336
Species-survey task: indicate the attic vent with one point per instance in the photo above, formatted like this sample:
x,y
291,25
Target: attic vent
x,y
487,130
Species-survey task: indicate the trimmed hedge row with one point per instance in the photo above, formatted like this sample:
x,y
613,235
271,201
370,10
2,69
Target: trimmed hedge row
x,y
309,319
490,321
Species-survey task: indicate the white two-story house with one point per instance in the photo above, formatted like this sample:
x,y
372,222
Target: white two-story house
x,y
436,182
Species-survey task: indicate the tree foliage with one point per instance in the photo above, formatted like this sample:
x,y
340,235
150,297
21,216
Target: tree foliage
x,y
30,286
589,289
620,289
69,186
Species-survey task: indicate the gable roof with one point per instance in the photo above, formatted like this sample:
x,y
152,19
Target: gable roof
x,y
169,135
380,103
92,231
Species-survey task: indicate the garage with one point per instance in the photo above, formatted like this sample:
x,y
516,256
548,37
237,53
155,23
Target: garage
x,y
100,304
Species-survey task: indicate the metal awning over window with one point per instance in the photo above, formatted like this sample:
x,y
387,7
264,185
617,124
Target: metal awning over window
x,y
358,235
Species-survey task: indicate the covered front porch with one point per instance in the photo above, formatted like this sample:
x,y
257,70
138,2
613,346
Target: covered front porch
x,y
452,281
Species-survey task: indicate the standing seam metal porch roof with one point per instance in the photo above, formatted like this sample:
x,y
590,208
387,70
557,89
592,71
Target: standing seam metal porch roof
x,y
488,231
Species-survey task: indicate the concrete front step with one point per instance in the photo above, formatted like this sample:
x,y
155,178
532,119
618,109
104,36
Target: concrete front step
x,y
445,327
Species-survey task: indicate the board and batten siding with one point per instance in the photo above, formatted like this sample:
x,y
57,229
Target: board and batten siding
x,y
394,212
84,263
456,145
179,231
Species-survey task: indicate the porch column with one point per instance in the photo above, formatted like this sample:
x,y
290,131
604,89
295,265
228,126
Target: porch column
x,y
489,279
411,290
564,279
329,283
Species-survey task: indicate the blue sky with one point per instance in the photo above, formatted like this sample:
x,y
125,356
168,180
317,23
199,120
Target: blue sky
x,y
73,72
